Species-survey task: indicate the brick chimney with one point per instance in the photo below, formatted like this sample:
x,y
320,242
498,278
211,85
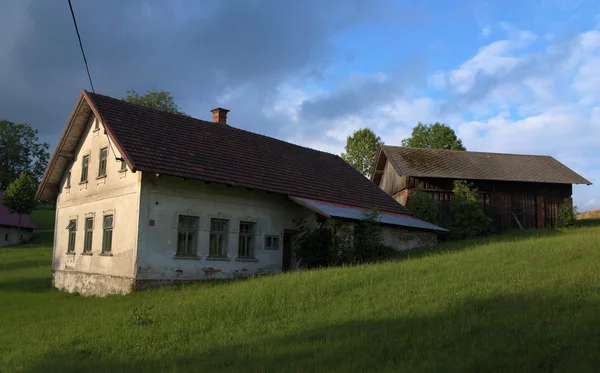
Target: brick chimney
x,y
220,115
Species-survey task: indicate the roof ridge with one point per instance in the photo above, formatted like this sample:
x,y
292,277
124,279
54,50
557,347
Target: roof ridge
x,y
468,151
189,117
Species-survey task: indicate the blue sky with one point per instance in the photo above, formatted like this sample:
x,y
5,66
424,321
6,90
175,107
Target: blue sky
x,y
508,76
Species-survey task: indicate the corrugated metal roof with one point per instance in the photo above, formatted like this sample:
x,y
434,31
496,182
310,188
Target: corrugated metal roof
x,y
336,210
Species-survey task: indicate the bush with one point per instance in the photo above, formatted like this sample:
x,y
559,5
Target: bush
x,y
315,247
566,215
324,247
424,207
466,218
368,239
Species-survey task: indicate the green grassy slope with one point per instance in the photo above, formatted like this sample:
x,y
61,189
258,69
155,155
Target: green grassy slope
x,y
516,303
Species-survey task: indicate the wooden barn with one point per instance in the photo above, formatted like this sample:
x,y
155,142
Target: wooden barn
x,y
516,190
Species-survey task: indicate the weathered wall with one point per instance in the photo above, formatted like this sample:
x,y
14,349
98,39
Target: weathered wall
x,y
165,198
390,181
399,238
118,194
9,236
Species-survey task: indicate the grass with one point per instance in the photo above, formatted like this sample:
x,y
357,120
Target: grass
x,y
519,303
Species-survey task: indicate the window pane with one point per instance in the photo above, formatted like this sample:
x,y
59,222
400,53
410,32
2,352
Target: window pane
x,y
84,167
107,240
103,157
89,223
123,165
108,221
181,237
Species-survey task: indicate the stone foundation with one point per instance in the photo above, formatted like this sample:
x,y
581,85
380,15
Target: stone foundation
x,y
91,283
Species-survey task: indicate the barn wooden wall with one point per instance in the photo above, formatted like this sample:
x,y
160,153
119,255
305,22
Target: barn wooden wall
x,y
533,204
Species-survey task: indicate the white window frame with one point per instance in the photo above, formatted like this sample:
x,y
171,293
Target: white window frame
x,y
71,250
249,247
224,233
269,238
88,242
188,252
106,229
102,172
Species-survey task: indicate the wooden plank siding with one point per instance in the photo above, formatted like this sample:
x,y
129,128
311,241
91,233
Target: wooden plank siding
x,y
533,204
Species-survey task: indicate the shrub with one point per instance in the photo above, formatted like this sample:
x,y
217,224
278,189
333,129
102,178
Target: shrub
x,y
466,217
566,215
368,239
424,207
323,247
315,247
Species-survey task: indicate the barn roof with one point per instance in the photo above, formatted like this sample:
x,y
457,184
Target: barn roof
x,y
11,219
178,145
469,165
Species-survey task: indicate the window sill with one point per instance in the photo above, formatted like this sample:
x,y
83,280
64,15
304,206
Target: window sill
x,y
181,257
219,258
70,253
123,170
96,129
87,254
246,260
83,182
106,254
101,177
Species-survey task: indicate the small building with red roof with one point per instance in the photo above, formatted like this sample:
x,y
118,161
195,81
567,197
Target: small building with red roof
x,y
14,228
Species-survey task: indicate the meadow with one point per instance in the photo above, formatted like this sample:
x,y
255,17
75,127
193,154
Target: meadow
x,y
521,302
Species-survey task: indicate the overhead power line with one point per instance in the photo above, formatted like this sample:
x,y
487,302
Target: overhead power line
x,y
81,46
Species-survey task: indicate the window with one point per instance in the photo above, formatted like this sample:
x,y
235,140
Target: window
x,y
272,242
96,124
89,232
186,235
85,162
218,237
102,166
72,227
20,238
6,237
68,180
246,240
123,166
107,233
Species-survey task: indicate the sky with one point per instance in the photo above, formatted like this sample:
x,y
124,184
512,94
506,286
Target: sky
x,y
508,76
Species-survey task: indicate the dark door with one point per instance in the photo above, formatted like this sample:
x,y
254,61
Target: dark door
x,y
288,249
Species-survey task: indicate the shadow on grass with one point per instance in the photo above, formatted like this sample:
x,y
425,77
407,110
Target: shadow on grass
x,y
455,246
28,285
515,333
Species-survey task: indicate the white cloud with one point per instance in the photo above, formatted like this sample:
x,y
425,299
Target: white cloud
x,y
534,103
486,31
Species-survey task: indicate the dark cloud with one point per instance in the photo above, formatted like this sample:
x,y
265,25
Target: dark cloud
x,y
196,50
360,93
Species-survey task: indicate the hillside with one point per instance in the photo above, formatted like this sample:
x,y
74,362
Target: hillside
x,y
524,302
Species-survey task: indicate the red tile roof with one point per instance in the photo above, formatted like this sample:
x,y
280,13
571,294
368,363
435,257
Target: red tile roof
x,y
11,219
177,145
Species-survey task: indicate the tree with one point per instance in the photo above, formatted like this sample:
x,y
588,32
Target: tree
x,y
424,207
20,197
361,150
566,215
467,218
159,100
433,136
21,151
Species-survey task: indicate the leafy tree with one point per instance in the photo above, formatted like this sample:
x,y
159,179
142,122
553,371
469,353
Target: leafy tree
x,y
316,247
159,100
361,150
20,196
21,151
433,136
424,207
566,215
467,218
368,239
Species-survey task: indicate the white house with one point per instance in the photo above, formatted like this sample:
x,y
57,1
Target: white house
x,y
145,197
14,229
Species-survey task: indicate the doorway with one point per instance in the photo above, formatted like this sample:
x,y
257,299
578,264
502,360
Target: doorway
x,y
288,249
